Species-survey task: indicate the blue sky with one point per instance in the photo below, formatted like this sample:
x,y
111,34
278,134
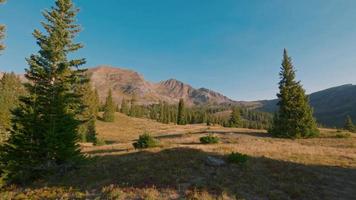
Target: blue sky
x,y
231,46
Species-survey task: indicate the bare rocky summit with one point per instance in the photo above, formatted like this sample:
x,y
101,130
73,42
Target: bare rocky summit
x,y
129,84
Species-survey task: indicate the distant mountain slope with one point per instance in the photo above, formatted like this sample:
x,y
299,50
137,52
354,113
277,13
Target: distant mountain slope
x,y
129,84
331,106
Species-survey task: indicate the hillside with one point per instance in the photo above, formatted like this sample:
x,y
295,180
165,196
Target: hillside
x,y
331,106
129,84
181,167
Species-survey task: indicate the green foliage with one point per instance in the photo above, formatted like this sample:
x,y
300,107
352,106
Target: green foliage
x,y
2,32
208,114
294,118
10,90
237,158
109,108
43,138
100,142
349,125
181,110
90,100
136,110
124,107
343,135
209,139
235,118
145,141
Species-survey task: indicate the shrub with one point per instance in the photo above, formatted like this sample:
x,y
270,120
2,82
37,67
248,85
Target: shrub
x,y
237,158
145,141
209,139
343,135
100,142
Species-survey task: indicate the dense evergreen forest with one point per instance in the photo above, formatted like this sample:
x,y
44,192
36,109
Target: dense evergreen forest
x,y
210,114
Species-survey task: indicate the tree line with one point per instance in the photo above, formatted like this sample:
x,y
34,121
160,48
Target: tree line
x,y
164,112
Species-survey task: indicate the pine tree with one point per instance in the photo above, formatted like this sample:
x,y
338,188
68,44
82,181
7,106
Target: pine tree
x,y
349,125
43,138
133,108
181,113
235,117
109,108
90,100
10,90
2,32
294,118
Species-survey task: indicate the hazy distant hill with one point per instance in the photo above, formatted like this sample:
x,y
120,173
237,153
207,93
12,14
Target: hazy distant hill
x,y
331,106
130,84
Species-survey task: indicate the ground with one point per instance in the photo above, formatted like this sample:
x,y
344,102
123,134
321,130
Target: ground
x,y
317,168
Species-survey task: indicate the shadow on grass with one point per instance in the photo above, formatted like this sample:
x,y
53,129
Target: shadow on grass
x,y
186,169
98,151
180,135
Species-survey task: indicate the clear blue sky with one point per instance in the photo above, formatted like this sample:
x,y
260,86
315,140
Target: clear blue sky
x,y
231,46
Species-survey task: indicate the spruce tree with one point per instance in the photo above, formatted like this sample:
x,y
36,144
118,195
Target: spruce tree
x,y
109,108
10,90
294,118
124,107
90,101
235,118
2,32
43,138
349,125
181,113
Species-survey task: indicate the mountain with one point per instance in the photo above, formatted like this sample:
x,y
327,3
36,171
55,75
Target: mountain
x,y
130,84
331,106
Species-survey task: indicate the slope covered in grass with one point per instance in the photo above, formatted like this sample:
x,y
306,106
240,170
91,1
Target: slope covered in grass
x,y
318,168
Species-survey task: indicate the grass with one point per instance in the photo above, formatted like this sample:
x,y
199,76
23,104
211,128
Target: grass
x,y
316,168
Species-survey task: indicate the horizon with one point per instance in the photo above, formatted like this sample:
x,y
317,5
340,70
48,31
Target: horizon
x,y
234,48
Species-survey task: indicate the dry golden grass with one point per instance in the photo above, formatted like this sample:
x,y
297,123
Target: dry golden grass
x,y
317,168
126,129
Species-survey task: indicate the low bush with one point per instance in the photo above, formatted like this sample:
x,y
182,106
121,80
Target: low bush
x,y
237,158
100,142
343,135
145,141
209,139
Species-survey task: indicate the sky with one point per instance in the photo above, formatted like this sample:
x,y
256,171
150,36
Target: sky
x,y
230,46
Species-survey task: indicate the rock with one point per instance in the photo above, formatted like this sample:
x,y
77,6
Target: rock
x,y
215,162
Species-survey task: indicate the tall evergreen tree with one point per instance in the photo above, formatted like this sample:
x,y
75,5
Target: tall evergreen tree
x,y
90,100
124,107
294,118
2,32
10,90
44,136
349,125
181,113
109,108
235,118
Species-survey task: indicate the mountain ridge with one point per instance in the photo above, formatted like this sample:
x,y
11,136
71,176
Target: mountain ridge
x,y
129,84
331,106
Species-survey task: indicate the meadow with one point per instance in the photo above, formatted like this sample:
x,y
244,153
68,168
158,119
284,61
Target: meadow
x,y
180,168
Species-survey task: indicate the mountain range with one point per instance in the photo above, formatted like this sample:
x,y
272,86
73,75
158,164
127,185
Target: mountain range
x,y
331,106
129,84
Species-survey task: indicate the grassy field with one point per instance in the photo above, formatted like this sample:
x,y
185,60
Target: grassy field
x,y
317,168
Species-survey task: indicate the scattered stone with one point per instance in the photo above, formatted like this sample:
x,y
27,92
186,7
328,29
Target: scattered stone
x,y
215,162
